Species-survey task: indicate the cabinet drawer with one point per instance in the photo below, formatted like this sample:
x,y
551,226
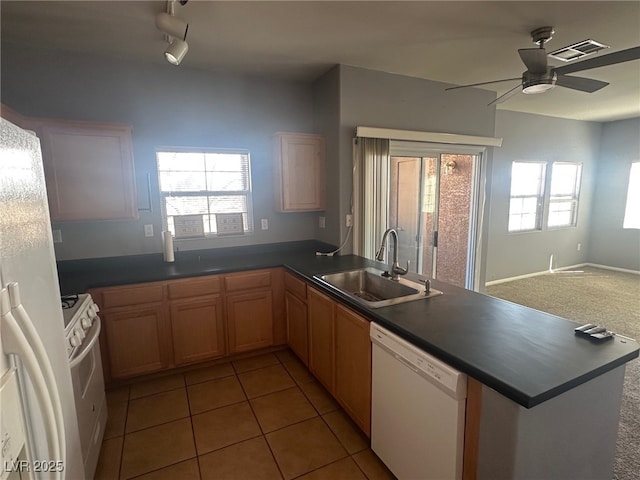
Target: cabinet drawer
x,y
296,286
137,295
194,287
246,281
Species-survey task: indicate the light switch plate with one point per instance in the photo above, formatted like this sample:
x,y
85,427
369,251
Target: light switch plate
x,y
349,220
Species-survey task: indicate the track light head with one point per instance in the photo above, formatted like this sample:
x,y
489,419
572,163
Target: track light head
x,y
176,51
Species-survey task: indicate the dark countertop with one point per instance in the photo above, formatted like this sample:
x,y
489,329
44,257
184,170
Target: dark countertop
x,y
524,354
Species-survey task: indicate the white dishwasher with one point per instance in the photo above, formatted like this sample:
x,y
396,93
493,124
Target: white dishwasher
x,y
418,410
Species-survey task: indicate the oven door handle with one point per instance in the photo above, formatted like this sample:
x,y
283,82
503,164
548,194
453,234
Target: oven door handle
x,y
92,337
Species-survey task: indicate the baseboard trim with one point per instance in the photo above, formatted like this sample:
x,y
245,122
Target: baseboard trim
x,y
535,274
617,269
571,267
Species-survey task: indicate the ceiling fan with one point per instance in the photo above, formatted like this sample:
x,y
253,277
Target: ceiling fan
x,y
540,77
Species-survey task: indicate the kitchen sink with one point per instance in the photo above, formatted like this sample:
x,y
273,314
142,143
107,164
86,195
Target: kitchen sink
x,y
369,287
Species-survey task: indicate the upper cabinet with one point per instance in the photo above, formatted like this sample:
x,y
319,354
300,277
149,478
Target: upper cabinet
x,y
89,170
299,172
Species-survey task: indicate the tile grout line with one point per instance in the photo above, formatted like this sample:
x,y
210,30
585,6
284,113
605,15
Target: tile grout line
x,y
193,430
264,436
124,431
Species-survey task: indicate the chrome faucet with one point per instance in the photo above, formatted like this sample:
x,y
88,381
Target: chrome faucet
x,y
396,269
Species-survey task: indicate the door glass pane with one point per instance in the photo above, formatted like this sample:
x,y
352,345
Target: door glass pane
x,y
429,215
404,208
454,214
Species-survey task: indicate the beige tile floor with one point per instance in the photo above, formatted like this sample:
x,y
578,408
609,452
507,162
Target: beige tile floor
x,y
263,417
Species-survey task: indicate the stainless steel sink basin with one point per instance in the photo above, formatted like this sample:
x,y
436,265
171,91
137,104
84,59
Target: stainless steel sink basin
x,y
368,286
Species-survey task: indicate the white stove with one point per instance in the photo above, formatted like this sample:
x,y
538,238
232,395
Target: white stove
x,y
79,313
82,333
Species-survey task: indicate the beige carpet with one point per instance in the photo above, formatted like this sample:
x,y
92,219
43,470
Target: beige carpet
x,y
603,297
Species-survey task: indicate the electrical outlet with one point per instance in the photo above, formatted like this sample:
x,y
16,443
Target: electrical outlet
x,y
579,247
349,220
57,235
321,222
148,230
265,224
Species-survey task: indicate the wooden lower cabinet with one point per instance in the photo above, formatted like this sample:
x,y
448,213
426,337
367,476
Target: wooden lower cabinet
x,y
155,326
353,366
321,337
197,328
138,340
297,326
249,320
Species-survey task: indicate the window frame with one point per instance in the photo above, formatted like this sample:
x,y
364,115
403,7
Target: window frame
x,y
540,198
573,198
630,221
248,227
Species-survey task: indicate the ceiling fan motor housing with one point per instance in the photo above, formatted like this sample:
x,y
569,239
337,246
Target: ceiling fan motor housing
x,y
538,82
542,35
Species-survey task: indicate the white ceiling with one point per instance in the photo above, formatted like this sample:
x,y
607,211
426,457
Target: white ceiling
x,y
453,42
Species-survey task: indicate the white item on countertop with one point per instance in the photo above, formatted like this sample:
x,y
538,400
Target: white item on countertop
x,y
167,251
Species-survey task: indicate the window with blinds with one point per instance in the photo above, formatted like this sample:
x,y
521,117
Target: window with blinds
x,y
632,209
563,194
527,196
205,183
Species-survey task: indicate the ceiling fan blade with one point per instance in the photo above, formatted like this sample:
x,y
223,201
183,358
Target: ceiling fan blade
x,y
506,96
580,83
484,83
601,61
535,59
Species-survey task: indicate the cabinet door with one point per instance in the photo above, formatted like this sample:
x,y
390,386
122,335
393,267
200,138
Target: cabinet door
x,y
353,366
297,328
321,337
300,172
197,325
89,171
249,320
137,340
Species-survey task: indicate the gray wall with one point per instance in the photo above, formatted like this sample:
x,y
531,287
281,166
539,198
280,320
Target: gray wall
x,y
377,99
326,114
167,106
609,243
170,106
539,138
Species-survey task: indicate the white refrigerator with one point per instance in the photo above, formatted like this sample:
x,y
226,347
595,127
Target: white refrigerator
x,y
29,290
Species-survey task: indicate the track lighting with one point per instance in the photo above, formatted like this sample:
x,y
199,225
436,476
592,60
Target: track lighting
x,y
176,34
172,26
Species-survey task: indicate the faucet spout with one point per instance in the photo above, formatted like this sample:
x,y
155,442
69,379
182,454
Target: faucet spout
x,y
396,269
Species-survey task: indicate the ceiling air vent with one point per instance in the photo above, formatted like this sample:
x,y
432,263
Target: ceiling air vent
x,y
578,50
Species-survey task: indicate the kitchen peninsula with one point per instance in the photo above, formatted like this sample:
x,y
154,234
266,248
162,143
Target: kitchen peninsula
x,y
539,396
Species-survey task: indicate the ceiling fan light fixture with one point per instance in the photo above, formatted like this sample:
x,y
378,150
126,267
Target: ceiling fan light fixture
x,y
532,84
537,88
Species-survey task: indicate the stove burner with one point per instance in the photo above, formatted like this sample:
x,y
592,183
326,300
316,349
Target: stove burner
x,y
69,301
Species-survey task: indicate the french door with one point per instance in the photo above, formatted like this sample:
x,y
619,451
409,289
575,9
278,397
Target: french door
x,y
433,205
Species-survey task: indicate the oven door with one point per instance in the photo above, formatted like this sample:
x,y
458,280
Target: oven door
x,y
90,397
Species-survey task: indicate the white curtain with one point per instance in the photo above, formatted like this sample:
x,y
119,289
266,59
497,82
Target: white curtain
x,y
370,199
